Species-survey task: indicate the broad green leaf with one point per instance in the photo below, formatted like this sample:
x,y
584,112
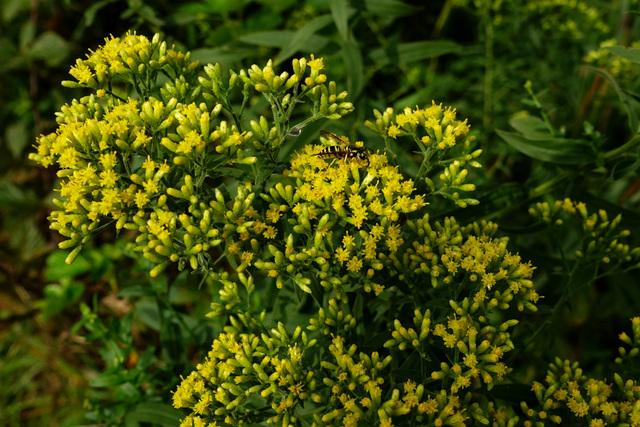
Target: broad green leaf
x,y
301,36
9,54
154,413
624,98
58,269
108,379
57,297
234,173
411,52
136,291
531,127
390,8
147,312
552,150
16,137
628,53
13,197
11,8
49,47
340,16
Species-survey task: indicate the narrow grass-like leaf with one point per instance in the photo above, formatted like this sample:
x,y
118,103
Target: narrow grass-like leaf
x,y
301,36
340,16
552,150
268,38
387,8
411,52
352,58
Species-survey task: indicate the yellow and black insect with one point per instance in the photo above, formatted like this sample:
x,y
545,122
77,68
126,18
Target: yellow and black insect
x,y
345,151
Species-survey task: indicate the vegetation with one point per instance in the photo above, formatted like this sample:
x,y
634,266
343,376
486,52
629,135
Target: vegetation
x,y
329,217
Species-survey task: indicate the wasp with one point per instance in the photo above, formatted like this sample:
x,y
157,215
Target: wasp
x,y
346,151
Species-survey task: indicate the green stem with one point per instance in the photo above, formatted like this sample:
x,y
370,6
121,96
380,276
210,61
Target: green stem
x,y
627,146
545,187
488,76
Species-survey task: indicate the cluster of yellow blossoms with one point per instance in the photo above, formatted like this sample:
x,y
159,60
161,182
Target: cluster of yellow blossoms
x,y
356,242
146,164
444,142
570,18
346,233
600,239
572,398
620,68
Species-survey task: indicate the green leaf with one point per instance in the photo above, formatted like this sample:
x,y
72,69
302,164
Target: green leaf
x,y
16,198
302,35
57,297
552,150
147,312
49,47
388,8
137,291
340,16
220,55
109,379
624,98
352,58
281,39
531,127
412,52
268,38
154,413
623,168
237,174
92,11
57,269
627,53
16,138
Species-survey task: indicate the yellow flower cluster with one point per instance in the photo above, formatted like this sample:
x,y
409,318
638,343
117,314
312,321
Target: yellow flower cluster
x,y
573,398
573,18
434,126
444,144
325,194
349,388
620,68
125,57
602,241
145,164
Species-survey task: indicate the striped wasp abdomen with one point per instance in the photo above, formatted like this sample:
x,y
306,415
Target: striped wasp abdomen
x,y
344,150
